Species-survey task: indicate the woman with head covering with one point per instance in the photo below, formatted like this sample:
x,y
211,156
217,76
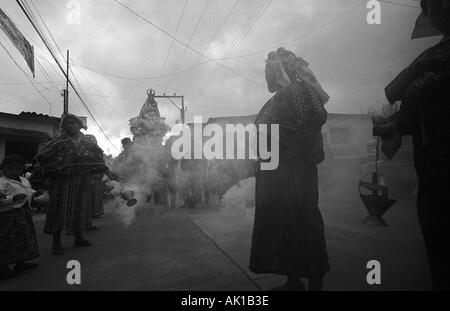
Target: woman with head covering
x,y
423,89
18,242
288,235
69,161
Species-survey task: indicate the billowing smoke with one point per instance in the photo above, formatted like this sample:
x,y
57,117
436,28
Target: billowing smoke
x,y
241,197
141,171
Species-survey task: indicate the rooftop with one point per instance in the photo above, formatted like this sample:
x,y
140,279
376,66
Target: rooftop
x,y
31,116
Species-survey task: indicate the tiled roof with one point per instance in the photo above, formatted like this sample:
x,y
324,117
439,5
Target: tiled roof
x,y
32,116
41,116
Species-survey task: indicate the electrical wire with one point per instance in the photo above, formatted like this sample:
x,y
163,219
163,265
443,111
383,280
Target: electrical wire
x,y
191,71
184,44
48,46
257,13
190,39
329,22
171,43
25,73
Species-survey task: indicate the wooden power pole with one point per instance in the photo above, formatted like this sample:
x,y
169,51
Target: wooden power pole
x,y
66,91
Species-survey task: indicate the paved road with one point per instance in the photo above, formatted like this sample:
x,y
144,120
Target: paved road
x,y
207,249
155,252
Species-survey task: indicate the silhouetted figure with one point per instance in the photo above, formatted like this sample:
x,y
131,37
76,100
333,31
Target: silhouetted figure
x,y
424,90
288,235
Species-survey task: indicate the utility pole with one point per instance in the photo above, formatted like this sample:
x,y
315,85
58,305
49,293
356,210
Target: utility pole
x,y
169,97
66,91
182,109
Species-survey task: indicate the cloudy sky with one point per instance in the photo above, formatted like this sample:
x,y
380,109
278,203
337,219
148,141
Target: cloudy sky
x,y
116,56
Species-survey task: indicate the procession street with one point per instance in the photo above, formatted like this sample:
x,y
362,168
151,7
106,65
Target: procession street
x,y
207,248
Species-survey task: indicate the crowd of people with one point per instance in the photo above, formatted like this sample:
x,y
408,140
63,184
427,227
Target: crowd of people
x,y
69,170
288,235
68,181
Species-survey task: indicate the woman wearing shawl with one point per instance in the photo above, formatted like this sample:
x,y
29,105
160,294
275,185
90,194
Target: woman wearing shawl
x,y
423,89
18,241
288,235
69,161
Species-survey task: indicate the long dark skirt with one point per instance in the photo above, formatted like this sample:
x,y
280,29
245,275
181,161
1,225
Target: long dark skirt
x,y
97,197
434,215
18,242
70,206
288,234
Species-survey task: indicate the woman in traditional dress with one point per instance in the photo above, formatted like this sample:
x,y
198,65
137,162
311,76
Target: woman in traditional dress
x,y
69,161
288,235
423,89
18,242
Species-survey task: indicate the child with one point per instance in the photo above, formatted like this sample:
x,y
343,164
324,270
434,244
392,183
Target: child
x,y
18,242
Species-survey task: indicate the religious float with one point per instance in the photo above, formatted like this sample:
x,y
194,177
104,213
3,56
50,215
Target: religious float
x,y
148,159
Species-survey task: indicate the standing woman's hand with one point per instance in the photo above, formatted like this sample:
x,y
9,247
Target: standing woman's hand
x,y
38,193
387,130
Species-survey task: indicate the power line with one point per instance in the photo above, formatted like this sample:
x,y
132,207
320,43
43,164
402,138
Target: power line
x,y
85,104
26,75
190,39
189,47
45,74
245,30
96,90
164,86
27,14
47,77
257,13
51,36
210,42
139,79
29,83
331,21
193,105
48,30
27,95
400,4
171,43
